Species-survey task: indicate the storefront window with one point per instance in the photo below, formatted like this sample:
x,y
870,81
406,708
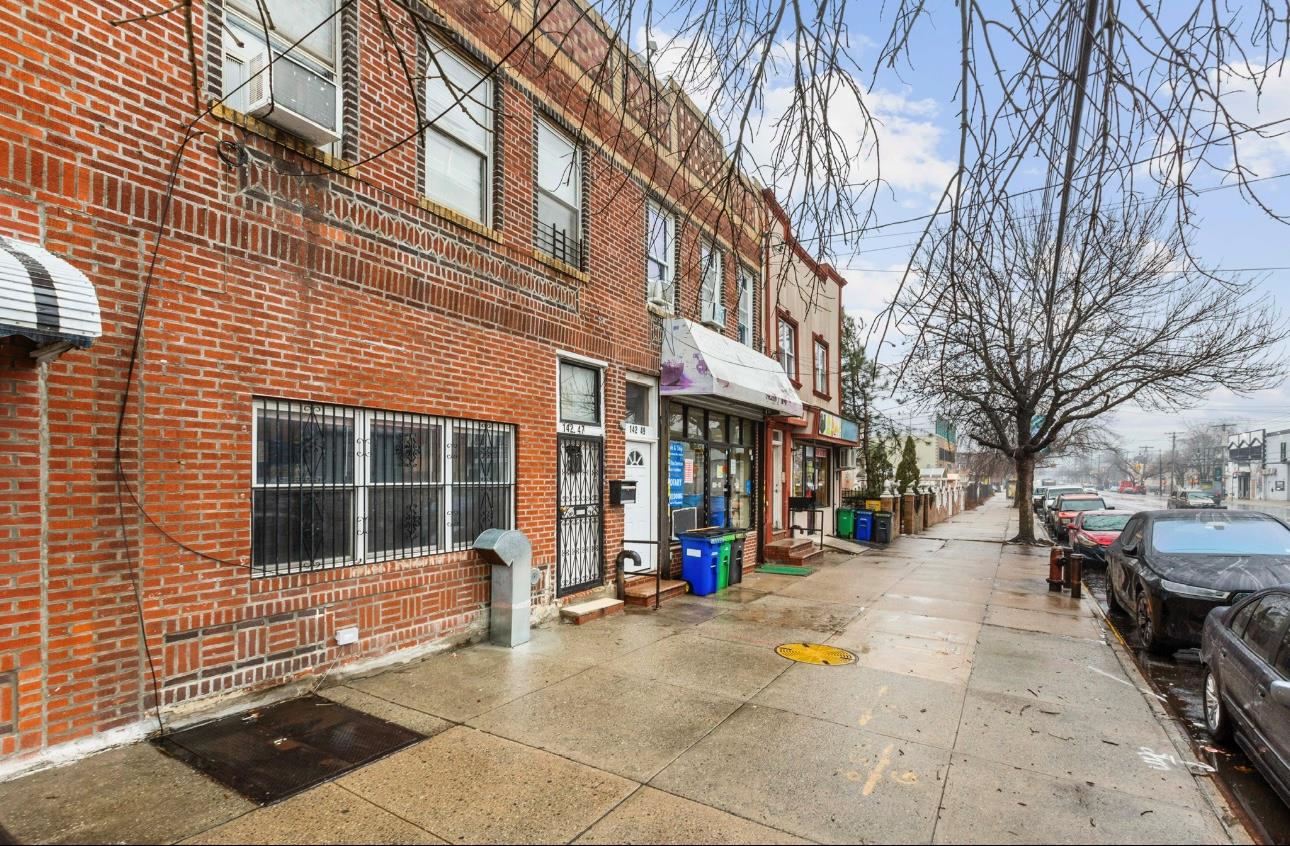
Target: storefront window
x,y
812,473
711,469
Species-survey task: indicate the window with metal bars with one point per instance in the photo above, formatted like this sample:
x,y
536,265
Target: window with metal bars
x,y
335,486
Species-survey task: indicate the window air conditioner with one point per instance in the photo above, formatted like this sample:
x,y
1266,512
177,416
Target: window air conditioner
x,y
847,458
299,101
714,314
659,295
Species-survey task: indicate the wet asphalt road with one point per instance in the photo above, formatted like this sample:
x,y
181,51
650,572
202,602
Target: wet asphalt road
x,y
1178,678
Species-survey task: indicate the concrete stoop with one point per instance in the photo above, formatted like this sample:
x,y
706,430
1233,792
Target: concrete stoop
x,y
593,609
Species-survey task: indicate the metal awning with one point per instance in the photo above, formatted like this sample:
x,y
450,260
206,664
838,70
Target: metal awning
x,y
697,361
44,298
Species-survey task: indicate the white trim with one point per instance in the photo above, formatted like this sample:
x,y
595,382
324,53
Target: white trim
x,y
593,430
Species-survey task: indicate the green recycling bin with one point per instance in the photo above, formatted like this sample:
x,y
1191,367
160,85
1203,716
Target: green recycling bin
x,y
882,526
723,563
846,522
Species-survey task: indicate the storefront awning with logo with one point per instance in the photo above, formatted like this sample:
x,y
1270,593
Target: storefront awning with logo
x,y
697,361
44,298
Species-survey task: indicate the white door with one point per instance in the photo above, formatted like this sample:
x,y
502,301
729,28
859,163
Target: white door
x,y
638,517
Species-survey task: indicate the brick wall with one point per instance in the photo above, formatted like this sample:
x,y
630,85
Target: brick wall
x,y
280,277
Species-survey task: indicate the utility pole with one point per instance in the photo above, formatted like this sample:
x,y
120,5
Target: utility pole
x,y
1173,460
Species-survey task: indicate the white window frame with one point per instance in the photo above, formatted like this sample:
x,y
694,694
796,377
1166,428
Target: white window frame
x,y
712,268
482,91
246,23
561,135
746,282
788,352
668,261
362,484
821,366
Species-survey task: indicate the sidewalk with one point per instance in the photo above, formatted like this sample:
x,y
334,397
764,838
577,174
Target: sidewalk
x,y
980,709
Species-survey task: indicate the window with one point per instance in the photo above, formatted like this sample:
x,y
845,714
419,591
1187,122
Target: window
x,y
1221,535
459,144
334,486
788,347
1283,450
559,200
638,404
710,270
1264,632
1242,618
746,282
307,81
821,368
660,256
713,470
812,474
579,393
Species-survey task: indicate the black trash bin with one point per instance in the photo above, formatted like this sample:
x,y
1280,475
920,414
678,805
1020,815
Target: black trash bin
x,y
881,527
737,558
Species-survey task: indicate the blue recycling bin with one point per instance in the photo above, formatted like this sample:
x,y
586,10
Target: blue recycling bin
x,y
864,525
701,558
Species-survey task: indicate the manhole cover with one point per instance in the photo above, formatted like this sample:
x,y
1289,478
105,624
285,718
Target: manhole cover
x,y
269,753
815,653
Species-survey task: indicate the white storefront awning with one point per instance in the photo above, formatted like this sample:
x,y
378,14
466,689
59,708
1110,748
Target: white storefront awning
x,y
44,298
697,361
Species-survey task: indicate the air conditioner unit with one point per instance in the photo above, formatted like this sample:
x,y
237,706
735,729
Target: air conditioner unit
x,y
713,314
659,295
848,458
298,100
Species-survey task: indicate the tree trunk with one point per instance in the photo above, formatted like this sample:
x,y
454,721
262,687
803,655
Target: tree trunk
x,y
1025,513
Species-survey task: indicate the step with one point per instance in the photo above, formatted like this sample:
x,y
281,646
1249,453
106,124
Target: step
x,y
641,591
592,609
791,549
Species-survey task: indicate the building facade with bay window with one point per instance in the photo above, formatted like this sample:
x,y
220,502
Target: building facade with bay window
x,y
364,341
806,452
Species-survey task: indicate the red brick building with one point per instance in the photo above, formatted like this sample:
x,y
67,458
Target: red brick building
x,y
358,345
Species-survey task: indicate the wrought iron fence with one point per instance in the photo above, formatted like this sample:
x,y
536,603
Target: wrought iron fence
x,y
335,486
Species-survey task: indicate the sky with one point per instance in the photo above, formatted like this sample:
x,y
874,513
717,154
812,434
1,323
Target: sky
x,y
919,145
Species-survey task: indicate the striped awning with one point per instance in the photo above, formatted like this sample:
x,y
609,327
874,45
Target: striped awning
x,y
44,298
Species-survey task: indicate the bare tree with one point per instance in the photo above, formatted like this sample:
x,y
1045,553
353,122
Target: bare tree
x,y
1030,345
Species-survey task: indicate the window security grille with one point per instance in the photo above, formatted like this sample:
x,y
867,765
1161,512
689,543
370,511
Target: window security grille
x,y
335,486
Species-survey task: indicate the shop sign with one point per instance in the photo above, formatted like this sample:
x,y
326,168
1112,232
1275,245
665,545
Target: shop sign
x,y
676,474
829,424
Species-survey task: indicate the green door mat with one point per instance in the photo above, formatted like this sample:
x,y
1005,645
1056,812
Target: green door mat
x,y
785,570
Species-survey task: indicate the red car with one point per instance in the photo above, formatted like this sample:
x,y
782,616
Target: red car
x,y
1068,506
1093,531
1128,486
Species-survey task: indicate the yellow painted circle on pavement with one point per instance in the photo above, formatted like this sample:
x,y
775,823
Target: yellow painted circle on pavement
x,y
815,653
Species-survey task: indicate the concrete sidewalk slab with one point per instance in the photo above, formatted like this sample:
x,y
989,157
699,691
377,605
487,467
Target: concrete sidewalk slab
x,y
468,786
813,778
629,726
653,816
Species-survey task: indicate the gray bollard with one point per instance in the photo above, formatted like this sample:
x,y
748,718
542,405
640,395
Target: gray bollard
x,y
509,552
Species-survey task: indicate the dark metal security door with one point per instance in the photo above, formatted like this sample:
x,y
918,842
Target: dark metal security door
x,y
578,527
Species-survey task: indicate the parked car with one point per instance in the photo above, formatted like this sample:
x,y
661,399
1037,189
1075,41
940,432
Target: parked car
x,y
1246,653
1051,494
1037,499
1170,568
1192,499
1067,507
1093,531
1128,486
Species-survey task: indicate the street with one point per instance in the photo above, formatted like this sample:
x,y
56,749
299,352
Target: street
x,y
979,708
1179,678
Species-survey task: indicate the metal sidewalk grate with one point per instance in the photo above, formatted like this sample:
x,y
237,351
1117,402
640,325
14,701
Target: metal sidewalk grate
x,y
270,753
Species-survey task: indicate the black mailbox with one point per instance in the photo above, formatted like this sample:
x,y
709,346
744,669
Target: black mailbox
x,y
621,491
